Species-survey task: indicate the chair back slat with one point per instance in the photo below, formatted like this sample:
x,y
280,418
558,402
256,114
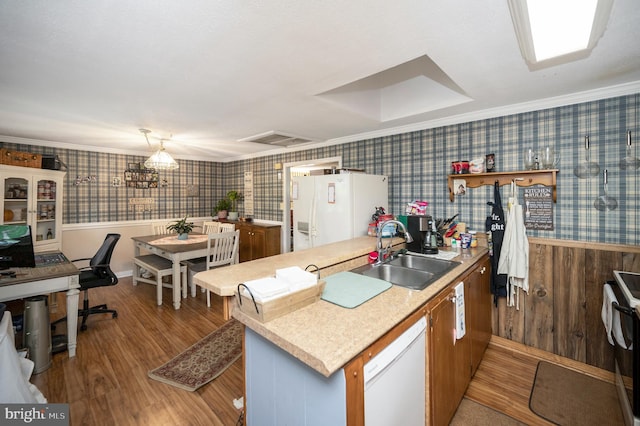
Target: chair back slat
x,y
160,228
210,227
227,227
222,248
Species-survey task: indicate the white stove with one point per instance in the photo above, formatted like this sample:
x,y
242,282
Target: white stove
x,y
627,360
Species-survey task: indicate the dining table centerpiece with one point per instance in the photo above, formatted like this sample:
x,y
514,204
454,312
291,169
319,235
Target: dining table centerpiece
x,y
181,227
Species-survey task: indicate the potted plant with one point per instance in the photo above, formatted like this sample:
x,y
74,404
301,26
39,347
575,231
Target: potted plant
x,y
222,208
182,228
233,197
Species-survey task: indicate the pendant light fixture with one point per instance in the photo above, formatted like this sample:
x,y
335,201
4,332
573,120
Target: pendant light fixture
x,y
160,160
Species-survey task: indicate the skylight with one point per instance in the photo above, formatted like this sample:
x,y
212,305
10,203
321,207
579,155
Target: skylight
x,y
560,27
551,32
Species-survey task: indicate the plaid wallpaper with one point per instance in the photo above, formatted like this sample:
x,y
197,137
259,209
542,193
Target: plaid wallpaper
x,y
417,164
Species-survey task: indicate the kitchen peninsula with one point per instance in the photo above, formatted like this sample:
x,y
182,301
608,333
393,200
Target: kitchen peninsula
x,y
327,342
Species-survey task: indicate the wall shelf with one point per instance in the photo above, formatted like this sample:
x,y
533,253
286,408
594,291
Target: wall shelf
x,y
522,178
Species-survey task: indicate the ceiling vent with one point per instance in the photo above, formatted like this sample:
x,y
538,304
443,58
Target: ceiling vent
x,y
276,138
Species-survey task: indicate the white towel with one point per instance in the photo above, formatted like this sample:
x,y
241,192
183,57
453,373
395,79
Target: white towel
x,y
296,277
514,257
611,317
461,327
267,288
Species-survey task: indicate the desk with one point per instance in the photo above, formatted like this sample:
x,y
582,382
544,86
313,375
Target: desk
x,y
169,247
44,279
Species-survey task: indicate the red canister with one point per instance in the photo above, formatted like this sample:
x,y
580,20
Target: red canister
x,y
459,167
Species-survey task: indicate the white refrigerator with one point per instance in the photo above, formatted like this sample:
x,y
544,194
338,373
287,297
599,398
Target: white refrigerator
x,y
330,208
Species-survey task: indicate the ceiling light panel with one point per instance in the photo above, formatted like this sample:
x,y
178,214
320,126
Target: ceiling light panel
x,y
560,27
552,32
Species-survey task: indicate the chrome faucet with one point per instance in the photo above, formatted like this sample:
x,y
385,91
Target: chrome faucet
x,y
382,252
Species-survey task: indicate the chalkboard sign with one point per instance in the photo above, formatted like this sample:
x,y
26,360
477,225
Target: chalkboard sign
x,y
538,208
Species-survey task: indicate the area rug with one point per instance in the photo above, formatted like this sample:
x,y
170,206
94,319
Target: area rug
x,y
205,360
566,397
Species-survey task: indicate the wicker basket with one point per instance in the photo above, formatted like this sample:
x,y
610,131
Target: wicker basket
x,y
22,159
272,309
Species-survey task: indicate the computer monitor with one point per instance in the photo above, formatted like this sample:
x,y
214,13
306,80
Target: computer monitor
x,y
16,247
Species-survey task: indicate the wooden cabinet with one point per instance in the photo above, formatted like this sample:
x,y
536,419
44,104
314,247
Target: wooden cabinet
x,y
451,362
257,240
478,290
34,197
449,359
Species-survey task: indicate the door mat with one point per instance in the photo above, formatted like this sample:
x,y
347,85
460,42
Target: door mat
x,y
566,397
348,289
203,361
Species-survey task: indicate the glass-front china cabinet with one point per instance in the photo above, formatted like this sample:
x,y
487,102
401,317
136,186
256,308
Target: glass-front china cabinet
x,y
34,197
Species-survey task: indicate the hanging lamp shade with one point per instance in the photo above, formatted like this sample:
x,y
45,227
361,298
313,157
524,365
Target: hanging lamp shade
x,y
161,160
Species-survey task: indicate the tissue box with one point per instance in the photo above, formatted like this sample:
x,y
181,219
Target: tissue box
x,y
276,307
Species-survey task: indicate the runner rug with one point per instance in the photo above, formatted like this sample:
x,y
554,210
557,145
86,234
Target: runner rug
x,y
205,360
566,397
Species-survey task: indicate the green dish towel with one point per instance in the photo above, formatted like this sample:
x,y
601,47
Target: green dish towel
x,y
348,289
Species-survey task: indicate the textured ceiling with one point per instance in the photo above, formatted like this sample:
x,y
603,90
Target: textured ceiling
x,y
208,74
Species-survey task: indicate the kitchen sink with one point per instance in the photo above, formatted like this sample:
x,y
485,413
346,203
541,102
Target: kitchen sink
x,y
435,266
413,272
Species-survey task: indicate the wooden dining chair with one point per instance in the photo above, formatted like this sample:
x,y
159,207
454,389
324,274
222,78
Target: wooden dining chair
x,y
160,228
210,227
222,250
207,228
227,227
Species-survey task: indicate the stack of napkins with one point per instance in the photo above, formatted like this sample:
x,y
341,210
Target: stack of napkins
x,y
296,277
264,289
287,280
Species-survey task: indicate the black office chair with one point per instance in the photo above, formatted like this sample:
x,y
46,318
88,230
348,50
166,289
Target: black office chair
x,y
97,274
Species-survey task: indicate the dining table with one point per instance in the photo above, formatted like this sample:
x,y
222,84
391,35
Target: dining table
x,y
170,247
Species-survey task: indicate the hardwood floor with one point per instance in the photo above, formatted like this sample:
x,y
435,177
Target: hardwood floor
x,y
506,374
107,383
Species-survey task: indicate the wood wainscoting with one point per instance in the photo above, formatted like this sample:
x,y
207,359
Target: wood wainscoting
x,y
561,313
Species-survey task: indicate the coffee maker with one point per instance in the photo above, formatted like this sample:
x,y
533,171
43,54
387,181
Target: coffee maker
x,y
423,231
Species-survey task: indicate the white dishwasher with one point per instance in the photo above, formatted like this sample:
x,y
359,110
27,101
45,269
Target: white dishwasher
x,y
394,381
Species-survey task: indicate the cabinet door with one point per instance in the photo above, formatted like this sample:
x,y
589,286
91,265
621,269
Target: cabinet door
x,y
258,244
16,199
246,240
449,369
45,225
479,310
